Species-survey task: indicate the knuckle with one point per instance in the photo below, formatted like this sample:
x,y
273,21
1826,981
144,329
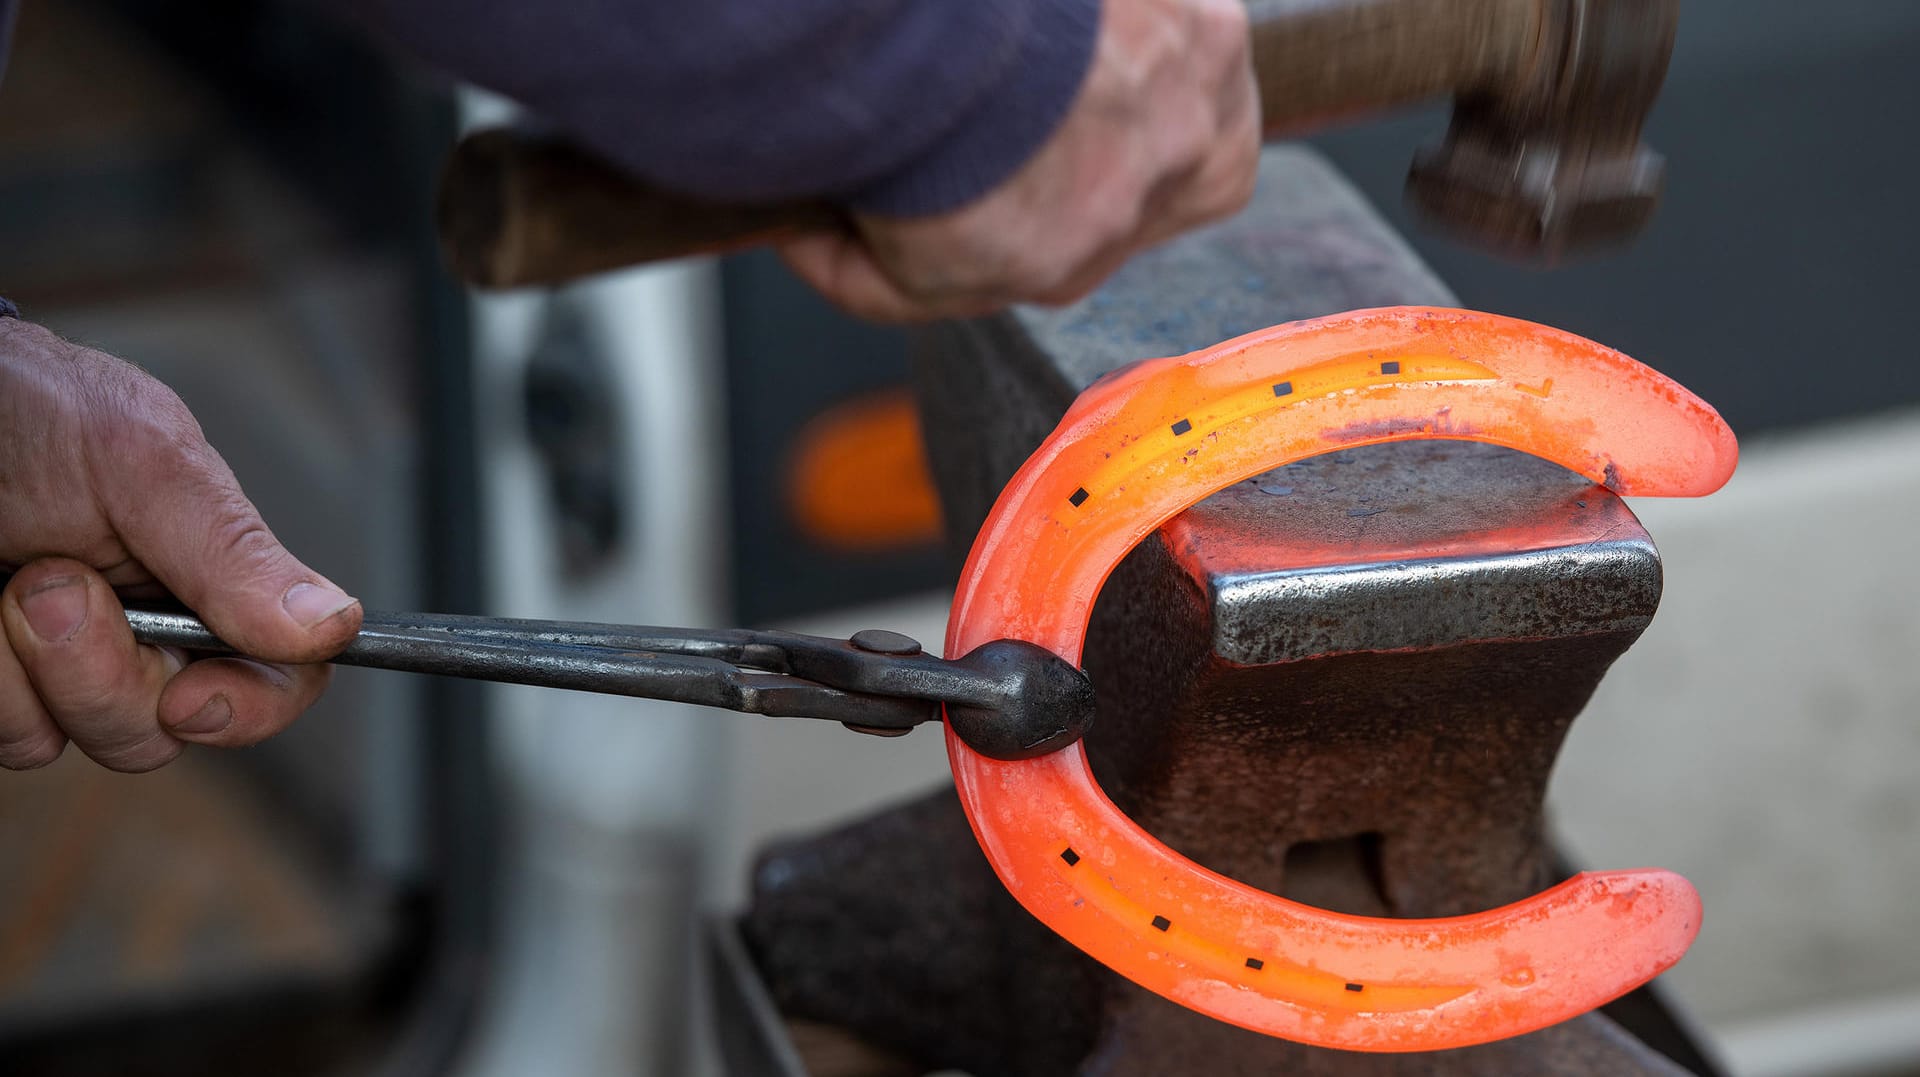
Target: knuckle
x,y
917,283
1241,190
238,538
880,309
1196,141
140,431
1071,291
136,411
1108,212
91,686
137,755
1034,272
1232,194
966,260
96,697
1244,161
1040,275
1164,47
1223,23
1044,281
1122,219
33,752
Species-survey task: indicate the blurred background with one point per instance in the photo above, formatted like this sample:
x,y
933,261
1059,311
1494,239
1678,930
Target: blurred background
x,y
430,877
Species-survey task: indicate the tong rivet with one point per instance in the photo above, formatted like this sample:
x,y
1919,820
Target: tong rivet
x,y
881,641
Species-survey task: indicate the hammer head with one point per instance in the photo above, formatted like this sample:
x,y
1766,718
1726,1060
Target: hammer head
x,y
1549,162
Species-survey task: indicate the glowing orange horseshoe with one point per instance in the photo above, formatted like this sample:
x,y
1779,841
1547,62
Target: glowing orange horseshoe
x,y
1139,447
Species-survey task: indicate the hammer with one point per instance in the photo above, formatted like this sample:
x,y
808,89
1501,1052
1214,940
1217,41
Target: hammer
x,y
1542,158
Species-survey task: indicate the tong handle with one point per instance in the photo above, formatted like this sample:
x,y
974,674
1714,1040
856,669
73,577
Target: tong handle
x,y
589,658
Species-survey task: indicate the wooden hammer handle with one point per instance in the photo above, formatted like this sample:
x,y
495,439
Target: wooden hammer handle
x,y
523,208
520,208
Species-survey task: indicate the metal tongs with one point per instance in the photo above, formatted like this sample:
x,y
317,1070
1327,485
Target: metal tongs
x,y
1007,699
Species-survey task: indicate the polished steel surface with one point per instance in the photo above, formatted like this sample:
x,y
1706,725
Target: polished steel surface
x,y
1416,544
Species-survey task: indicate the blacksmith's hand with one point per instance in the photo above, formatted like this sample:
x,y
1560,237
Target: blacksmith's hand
x,y
1163,136
109,488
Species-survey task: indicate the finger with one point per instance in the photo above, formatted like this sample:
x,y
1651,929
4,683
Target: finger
x,y
1154,223
28,737
235,702
1087,277
1225,181
100,687
181,513
1229,169
1212,190
843,269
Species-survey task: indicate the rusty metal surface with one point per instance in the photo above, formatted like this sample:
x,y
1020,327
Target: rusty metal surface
x,y
1344,681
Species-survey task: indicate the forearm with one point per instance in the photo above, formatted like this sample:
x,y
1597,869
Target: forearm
x,y
893,106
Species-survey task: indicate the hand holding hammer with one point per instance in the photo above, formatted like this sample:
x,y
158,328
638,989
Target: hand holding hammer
x,y
1542,159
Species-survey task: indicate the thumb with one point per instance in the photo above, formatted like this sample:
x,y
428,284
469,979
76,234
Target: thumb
x,y
843,269
180,512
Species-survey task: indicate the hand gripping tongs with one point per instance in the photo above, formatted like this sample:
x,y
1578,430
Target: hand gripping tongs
x,y
1008,699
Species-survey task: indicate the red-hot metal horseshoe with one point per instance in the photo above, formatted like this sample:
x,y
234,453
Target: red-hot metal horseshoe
x,y
1141,446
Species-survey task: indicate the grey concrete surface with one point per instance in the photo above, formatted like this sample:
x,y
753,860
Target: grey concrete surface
x,y
1762,737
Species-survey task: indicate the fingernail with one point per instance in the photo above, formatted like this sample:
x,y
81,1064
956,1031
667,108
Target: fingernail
x,y
212,718
56,609
309,604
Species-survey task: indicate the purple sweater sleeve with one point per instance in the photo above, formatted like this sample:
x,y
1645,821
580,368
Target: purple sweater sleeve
x,y
901,107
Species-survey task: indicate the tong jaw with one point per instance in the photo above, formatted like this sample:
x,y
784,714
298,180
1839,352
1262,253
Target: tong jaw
x,y
1007,699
